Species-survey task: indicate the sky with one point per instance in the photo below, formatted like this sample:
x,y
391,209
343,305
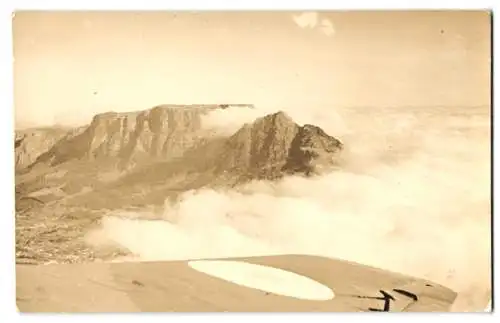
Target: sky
x,y
69,66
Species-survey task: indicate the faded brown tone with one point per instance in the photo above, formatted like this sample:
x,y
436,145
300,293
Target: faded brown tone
x,y
178,136
128,160
146,287
70,66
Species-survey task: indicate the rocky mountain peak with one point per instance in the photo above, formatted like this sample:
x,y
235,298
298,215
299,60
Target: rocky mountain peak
x,y
169,140
274,145
141,158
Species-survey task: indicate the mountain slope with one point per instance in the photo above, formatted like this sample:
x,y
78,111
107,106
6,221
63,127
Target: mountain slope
x,y
161,131
138,160
275,145
269,148
29,144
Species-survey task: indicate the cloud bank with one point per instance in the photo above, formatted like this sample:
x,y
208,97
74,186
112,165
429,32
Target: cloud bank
x,y
412,197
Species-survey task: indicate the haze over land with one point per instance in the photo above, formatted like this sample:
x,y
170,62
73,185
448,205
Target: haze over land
x,y
411,192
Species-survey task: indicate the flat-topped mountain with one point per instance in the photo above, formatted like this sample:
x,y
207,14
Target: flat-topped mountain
x,y
72,177
165,141
163,131
269,147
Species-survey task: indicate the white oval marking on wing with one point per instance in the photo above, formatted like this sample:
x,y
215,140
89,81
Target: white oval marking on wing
x,y
264,278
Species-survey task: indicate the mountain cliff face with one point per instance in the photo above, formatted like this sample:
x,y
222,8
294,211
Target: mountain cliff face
x,y
269,147
275,145
141,159
169,144
29,144
163,132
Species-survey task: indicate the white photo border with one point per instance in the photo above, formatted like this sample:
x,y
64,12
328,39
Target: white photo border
x,y
7,275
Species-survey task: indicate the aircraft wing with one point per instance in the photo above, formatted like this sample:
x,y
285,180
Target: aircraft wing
x,y
175,286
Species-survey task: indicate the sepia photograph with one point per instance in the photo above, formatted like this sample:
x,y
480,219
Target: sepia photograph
x,y
253,161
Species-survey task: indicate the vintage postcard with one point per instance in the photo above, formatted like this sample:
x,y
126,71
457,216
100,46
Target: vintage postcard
x,y
253,161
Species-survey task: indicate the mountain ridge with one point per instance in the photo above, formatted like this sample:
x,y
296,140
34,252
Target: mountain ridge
x,y
122,161
167,150
165,132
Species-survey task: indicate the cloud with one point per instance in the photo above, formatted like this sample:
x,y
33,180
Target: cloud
x,y
311,20
412,197
228,121
306,19
326,27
